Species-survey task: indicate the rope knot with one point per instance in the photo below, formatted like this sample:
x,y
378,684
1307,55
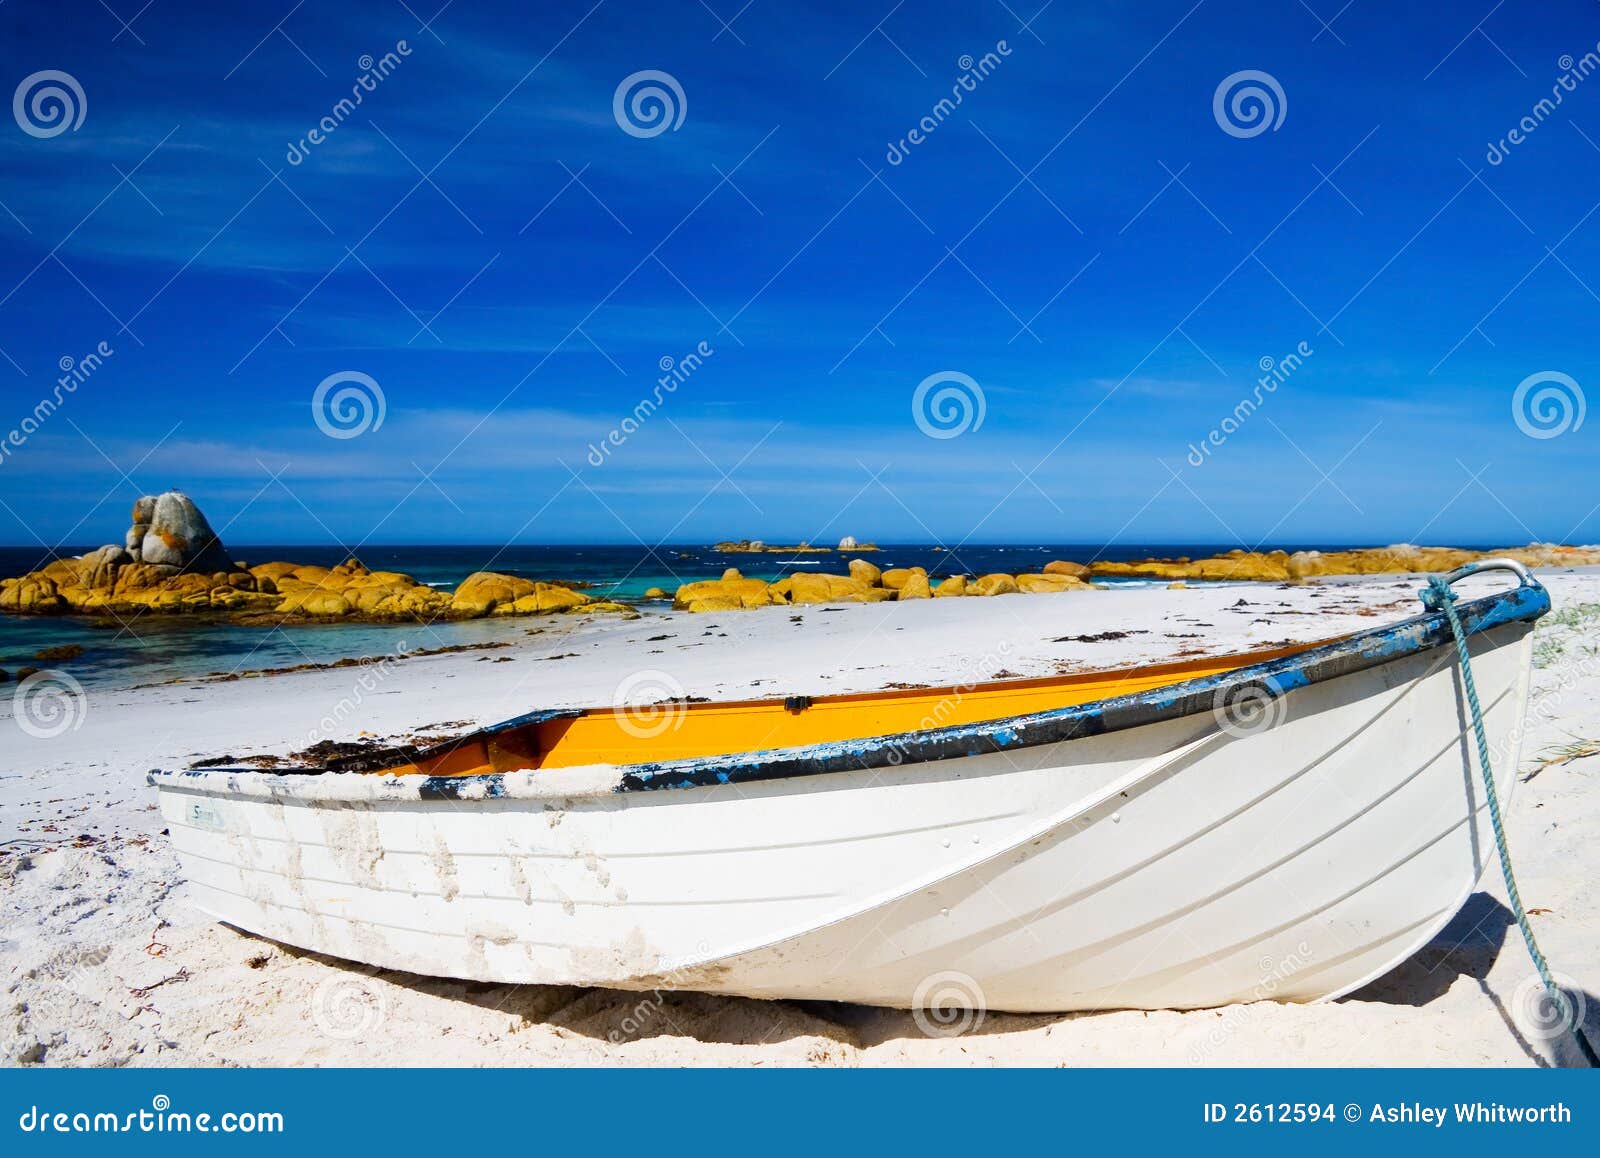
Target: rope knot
x,y
1437,595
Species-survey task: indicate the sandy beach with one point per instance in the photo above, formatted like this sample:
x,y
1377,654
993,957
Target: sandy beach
x,y
103,961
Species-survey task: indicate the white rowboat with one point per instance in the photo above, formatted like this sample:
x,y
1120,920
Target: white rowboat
x,y
1288,829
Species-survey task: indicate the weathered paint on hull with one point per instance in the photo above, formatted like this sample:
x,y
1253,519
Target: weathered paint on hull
x,y
1164,864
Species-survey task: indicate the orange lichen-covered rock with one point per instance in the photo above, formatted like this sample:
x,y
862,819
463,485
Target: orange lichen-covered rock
x,y
997,584
483,591
714,603
804,588
1047,584
867,573
33,594
915,587
895,577
113,580
1062,567
742,592
546,598
1235,565
316,601
1399,558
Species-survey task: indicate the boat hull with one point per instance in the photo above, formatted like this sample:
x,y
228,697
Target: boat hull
x,y
1186,862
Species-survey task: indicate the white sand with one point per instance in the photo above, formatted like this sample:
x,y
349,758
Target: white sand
x,y
103,963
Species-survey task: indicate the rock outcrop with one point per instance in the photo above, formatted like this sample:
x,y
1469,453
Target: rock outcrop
x,y
1048,583
1401,558
997,584
1061,567
173,562
868,573
865,584
175,534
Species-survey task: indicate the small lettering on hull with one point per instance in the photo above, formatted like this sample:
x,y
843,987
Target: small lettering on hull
x,y
203,816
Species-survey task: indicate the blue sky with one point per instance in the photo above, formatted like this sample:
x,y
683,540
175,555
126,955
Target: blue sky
x,y
1081,237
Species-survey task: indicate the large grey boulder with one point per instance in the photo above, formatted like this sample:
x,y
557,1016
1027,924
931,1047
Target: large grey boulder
x,y
177,535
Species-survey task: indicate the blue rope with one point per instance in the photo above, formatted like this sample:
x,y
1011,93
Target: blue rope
x,y
1439,597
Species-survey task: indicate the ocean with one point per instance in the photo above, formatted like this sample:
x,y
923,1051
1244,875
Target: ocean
x,y
158,648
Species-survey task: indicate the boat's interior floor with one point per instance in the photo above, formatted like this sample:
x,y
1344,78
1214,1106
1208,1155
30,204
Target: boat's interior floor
x,y
684,729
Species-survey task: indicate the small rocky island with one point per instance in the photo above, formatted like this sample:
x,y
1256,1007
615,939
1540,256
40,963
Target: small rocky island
x,y
171,561
760,546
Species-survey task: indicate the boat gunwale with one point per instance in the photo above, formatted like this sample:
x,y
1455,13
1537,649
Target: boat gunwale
x,y
393,759
1351,654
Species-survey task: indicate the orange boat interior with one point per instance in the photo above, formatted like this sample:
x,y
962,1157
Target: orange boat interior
x,y
678,729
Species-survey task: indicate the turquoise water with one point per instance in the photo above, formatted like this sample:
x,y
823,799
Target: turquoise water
x,y
159,648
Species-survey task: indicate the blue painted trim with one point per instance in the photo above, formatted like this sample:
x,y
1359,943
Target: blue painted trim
x,y
1360,652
